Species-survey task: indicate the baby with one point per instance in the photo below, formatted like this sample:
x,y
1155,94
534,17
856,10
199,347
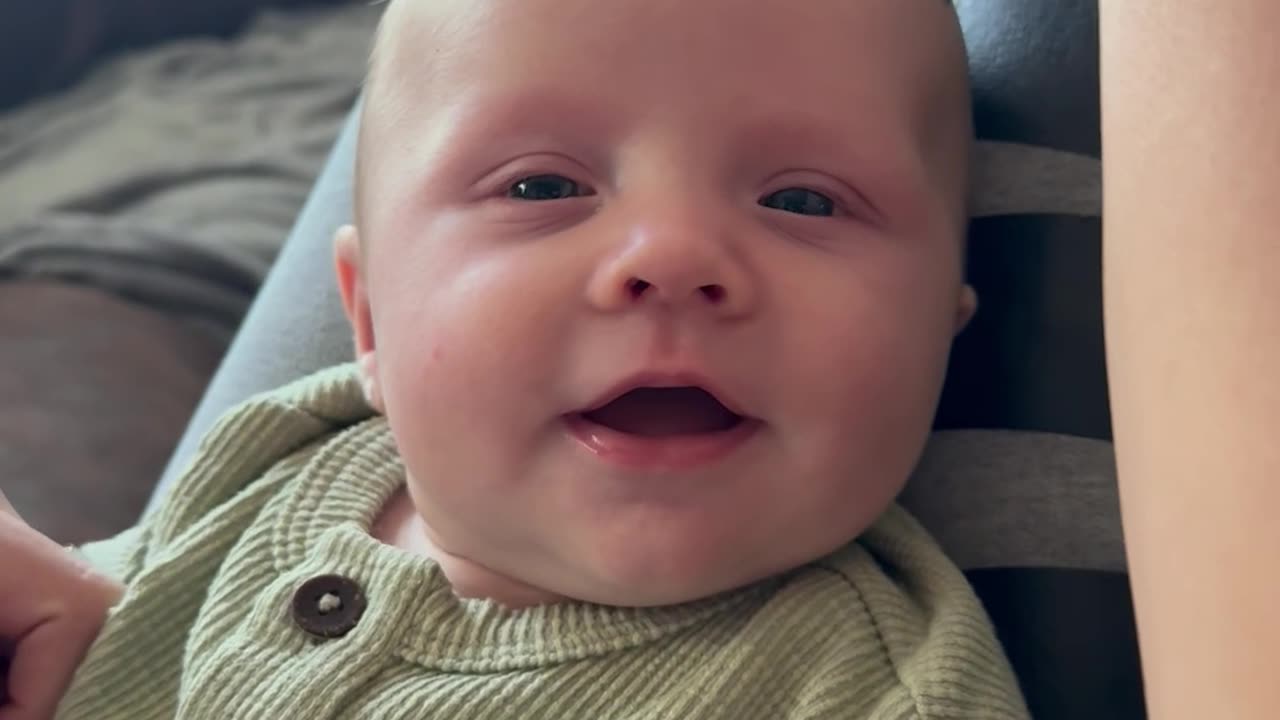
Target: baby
x,y
652,303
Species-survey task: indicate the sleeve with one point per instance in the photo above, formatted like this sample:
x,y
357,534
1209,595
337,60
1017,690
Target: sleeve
x,y
261,442
119,557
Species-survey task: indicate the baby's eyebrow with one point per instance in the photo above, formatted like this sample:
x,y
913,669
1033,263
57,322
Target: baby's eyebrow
x,y
877,155
475,132
532,109
881,158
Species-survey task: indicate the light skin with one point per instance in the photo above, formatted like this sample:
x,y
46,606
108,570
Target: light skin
x,y
51,608
766,196
1193,344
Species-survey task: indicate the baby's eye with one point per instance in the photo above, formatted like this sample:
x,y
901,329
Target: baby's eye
x,y
800,201
546,187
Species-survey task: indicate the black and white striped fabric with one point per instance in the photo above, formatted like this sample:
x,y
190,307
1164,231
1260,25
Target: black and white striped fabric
x,y
1018,483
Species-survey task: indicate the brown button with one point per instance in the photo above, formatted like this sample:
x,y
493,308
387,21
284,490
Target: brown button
x,y
328,606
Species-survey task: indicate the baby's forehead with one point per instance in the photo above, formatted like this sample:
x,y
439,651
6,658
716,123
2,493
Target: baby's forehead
x,y
871,67
435,39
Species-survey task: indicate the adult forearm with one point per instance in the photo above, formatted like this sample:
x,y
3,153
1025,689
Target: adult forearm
x,y
1191,148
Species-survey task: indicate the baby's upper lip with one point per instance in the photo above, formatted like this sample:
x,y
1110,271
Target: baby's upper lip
x,y
665,379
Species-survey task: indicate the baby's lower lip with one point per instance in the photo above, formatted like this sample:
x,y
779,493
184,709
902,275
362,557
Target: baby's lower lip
x,y
658,452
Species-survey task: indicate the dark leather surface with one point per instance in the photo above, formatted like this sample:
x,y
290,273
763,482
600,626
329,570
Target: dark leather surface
x,y
1033,358
1035,71
1071,638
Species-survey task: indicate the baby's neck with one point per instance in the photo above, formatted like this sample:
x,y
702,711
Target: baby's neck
x,y
401,526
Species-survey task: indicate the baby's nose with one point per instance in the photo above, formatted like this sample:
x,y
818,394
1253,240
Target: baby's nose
x,y
639,288
691,266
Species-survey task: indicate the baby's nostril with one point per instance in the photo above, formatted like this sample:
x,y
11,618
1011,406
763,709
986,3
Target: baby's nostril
x,y
714,293
637,287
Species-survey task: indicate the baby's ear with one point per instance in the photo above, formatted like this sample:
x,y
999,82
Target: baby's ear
x,y
966,308
348,262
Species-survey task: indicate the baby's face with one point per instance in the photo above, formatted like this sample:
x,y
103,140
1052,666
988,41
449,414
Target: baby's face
x,y
657,295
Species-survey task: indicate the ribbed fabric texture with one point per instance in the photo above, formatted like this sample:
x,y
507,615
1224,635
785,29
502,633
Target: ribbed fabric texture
x,y
284,490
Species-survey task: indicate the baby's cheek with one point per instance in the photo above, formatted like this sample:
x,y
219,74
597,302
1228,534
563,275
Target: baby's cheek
x,y
866,403
466,369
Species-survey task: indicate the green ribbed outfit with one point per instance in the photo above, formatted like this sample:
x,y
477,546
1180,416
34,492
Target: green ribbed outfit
x,y
285,488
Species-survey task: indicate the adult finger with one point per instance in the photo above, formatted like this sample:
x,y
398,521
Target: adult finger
x,y
43,664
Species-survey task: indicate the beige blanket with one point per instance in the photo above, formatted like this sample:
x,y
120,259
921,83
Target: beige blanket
x,y
172,175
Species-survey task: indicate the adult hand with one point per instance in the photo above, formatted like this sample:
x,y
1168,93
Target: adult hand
x,y
52,606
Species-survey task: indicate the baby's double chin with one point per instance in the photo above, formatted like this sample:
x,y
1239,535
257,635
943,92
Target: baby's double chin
x,y
472,581
400,525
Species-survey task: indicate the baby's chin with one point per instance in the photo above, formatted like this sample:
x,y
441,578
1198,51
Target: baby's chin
x,y
472,582
644,559
633,578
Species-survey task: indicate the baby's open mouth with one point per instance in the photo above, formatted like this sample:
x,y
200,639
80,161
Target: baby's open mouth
x,y
665,411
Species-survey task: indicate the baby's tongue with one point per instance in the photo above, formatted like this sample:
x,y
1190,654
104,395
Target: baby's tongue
x,y
665,411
